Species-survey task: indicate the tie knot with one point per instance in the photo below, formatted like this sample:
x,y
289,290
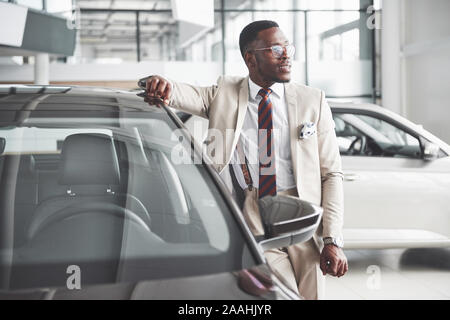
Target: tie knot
x,y
265,92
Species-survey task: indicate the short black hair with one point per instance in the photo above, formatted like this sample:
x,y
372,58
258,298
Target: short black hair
x,y
250,33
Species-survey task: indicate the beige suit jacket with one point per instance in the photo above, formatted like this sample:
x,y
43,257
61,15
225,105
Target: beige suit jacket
x,y
316,160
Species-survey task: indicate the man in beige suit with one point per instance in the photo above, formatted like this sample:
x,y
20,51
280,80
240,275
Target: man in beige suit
x,y
305,153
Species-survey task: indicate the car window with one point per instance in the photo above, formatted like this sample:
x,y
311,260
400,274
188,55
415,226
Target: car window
x,y
39,140
364,135
107,196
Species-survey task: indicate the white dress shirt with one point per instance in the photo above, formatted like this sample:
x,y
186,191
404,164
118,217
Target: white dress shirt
x,y
280,135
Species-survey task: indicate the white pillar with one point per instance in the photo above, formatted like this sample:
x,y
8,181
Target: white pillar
x,y
41,69
391,86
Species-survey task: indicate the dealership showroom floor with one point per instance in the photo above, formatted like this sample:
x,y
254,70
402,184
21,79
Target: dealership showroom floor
x,y
393,274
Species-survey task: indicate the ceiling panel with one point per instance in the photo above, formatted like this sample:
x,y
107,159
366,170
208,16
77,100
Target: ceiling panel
x,y
125,4
115,32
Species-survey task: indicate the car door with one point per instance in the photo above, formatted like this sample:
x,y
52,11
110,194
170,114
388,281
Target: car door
x,y
393,197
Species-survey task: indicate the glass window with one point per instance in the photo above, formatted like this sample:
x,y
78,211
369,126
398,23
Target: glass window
x,y
111,196
364,135
60,7
334,43
339,53
164,39
234,23
157,36
39,140
291,4
108,37
35,4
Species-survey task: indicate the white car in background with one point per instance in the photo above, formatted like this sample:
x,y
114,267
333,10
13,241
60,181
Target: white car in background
x,y
396,178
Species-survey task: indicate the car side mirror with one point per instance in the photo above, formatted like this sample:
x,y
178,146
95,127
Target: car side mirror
x,y
287,220
2,145
430,151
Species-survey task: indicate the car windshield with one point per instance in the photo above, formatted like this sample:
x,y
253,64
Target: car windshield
x,y
109,195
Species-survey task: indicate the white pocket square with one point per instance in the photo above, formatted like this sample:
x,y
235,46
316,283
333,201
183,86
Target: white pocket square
x,y
306,130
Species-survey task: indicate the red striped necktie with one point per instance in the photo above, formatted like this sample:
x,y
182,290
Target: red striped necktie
x,y
267,173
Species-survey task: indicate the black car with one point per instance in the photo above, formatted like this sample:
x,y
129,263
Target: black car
x,y
94,205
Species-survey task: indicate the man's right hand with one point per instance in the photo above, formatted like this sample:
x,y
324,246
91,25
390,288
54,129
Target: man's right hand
x,y
158,89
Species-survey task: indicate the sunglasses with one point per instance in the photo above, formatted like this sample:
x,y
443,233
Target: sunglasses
x,y
278,50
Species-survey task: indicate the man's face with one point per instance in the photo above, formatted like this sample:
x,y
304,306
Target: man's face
x,y
267,67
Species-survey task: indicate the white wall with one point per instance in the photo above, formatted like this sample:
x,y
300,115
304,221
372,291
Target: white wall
x,y
416,62
391,88
190,72
427,64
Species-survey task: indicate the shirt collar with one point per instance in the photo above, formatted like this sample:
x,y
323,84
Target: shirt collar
x,y
277,88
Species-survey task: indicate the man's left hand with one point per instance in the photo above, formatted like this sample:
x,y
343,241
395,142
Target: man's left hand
x,y
333,261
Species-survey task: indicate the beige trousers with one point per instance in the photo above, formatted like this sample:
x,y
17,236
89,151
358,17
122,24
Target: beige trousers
x,y
298,266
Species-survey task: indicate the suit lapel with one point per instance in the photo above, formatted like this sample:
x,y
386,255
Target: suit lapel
x,y
293,101
242,110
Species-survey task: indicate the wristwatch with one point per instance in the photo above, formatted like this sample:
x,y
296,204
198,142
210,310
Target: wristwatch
x,y
338,242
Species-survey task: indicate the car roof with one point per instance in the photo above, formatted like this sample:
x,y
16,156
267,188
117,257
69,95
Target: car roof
x,y
73,98
19,97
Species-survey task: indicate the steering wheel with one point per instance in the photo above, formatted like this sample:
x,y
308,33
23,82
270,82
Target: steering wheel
x,y
352,150
40,222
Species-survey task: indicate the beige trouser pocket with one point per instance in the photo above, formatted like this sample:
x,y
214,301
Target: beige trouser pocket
x,y
251,212
281,265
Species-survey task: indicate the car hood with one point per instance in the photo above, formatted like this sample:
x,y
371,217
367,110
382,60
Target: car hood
x,y
246,284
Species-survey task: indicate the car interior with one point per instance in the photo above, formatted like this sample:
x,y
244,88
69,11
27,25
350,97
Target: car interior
x,y
99,204
359,138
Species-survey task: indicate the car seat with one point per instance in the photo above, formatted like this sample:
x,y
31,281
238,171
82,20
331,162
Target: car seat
x,y
89,170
